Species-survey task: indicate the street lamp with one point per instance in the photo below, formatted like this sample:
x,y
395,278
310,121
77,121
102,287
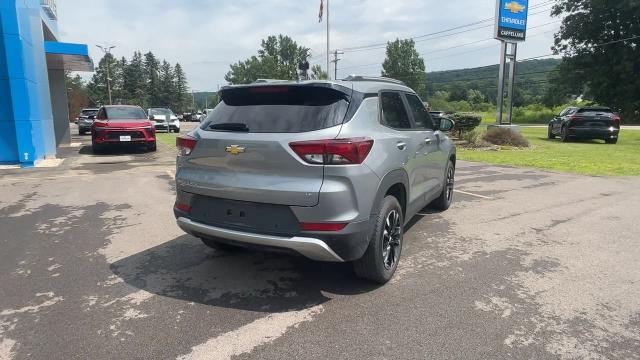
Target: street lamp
x,y
107,50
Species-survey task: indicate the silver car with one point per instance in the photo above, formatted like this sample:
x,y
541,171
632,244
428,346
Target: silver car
x,y
332,170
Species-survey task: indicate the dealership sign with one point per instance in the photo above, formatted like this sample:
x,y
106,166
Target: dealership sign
x,y
511,20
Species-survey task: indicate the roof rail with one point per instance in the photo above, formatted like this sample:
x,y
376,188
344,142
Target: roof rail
x,y
373,78
261,81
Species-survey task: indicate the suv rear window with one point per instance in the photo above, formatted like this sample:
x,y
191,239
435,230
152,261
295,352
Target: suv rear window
x,y
280,109
594,111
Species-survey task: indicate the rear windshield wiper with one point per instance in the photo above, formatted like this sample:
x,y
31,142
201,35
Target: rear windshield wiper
x,y
230,127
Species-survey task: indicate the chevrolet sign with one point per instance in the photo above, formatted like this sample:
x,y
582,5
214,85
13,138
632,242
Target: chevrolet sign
x,y
511,20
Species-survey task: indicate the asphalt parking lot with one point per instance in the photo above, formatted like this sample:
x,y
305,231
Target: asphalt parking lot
x,y
526,264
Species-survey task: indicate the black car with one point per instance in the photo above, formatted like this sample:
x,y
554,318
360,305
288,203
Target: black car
x,y
591,122
85,120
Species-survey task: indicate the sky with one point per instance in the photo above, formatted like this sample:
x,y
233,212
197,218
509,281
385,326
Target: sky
x,y
206,36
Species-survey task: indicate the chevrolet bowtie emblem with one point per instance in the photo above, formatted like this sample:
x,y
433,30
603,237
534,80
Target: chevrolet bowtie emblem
x,y
234,149
514,7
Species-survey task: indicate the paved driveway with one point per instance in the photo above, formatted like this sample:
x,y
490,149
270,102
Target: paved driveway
x,y
526,264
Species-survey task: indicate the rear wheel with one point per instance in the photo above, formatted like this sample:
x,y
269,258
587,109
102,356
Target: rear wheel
x,y
82,132
446,196
564,134
380,261
611,141
152,146
550,134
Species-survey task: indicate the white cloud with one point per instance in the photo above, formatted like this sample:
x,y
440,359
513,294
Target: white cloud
x,y
205,36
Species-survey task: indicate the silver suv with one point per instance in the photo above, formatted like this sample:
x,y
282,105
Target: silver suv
x,y
332,170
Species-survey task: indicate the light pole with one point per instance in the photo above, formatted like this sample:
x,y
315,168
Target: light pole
x,y
107,50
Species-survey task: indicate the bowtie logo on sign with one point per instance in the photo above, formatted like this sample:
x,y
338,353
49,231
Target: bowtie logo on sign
x,y
514,7
511,20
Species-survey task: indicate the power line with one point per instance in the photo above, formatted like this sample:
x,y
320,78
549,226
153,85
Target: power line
x,y
378,45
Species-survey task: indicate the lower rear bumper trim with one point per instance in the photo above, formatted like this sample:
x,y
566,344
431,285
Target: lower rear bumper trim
x,y
311,248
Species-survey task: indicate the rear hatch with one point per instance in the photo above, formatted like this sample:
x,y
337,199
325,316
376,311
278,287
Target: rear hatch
x,y
243,151
595,117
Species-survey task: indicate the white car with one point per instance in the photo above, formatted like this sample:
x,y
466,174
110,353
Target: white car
x,y
164,119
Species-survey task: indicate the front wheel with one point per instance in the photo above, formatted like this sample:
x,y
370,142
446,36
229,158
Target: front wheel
x,y
152,146
380,261
550,134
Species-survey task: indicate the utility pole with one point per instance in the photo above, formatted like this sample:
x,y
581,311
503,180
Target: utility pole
x,y
107,51
328,54
335,63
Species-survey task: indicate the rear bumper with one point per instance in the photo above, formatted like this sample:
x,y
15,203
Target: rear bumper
x,y
594,133
311,248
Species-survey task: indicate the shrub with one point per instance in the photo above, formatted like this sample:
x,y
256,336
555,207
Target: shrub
x,y
465,122
502,136
473,138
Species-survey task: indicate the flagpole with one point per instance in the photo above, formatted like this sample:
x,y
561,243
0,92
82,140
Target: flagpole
x,y
328,51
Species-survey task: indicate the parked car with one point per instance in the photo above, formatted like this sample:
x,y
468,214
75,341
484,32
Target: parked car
x,y
122,124
591,122
329,170
164,119
85,120
205,113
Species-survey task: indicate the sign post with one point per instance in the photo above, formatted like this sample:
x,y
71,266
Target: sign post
x,y
510,28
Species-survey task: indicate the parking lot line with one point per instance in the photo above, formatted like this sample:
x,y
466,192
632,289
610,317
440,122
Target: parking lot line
x,y
472,194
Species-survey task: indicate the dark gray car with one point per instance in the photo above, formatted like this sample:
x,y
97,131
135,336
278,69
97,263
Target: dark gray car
x,y
85,120
332,170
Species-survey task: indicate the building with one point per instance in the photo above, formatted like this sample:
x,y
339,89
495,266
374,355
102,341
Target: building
x,y
34,118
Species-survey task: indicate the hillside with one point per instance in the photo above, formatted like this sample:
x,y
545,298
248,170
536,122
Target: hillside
x,y
531,80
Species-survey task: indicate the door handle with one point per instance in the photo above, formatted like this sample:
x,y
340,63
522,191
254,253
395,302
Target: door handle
x,y
401,145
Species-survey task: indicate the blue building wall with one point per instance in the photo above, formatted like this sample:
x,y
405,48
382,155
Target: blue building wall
x,y
26,120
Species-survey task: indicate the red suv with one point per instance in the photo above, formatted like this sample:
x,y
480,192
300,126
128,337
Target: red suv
x,y
122,124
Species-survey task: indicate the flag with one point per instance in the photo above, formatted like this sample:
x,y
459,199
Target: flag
x,y
321,11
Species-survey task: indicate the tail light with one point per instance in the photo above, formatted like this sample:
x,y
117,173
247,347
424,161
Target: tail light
x,y
186,208
575,120
616,119
185,144
322,226
333,152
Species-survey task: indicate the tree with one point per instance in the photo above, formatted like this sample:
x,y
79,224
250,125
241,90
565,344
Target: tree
x,y
318,74
97,87
166,85
596,61
404,63
77,94
277,58
181,89
151,72
475,97
134,80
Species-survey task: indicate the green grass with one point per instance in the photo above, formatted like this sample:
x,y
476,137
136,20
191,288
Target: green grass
x,y
580,157
168,139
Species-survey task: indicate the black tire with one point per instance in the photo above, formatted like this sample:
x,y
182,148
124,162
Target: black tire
x,y
219,246
380,261
564,136
81,132
152,146
550,134
611,141
443,202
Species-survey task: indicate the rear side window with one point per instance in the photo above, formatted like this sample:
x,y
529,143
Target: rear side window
x,y
280,109
420,115
121,113
394,114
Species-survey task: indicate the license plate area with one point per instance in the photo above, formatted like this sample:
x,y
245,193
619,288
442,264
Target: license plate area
x,y
245,216
125,138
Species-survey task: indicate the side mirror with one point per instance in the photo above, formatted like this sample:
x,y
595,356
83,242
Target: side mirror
x,y
446,125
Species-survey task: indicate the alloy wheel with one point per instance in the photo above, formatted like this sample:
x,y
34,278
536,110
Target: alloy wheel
x,y
391,238
450,182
